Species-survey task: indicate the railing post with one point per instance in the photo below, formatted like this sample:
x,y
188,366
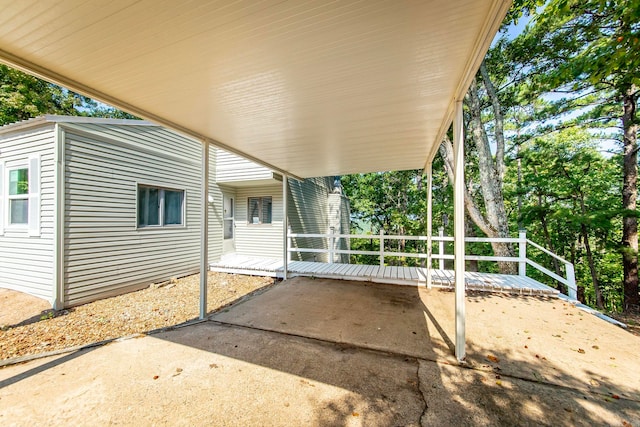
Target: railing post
x,y
571,279
441,248
522,253
289,243
331,245
381,248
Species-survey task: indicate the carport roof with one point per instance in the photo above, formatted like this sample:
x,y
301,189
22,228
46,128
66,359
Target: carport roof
x,y
308,88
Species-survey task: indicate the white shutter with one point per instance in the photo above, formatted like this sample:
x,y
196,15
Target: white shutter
x,y
2,200
34,196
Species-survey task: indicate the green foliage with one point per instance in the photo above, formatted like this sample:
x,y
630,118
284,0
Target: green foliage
x,y
567,184
23,96
394,202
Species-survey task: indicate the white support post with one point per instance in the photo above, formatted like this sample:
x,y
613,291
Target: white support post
x,y
204,230
429,224
441,248
285,228
571,279
289,243
522,253
331,245
381,248
458,227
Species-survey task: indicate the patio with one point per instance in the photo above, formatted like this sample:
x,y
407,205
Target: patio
x,y
326,352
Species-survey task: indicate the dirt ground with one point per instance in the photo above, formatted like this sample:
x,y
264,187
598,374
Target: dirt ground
x,y
632,320
29,326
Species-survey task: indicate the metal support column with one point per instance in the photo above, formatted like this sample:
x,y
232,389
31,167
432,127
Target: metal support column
x,y
285,228
458,227
429,223
204,230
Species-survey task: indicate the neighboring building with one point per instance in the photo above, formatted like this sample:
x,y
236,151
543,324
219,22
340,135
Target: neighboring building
x,y
91,208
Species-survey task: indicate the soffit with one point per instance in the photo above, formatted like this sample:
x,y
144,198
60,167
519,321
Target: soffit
x,y
310,88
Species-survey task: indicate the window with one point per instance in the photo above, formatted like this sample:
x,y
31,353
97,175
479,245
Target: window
x,y
259,210
227,216
160,206
19,196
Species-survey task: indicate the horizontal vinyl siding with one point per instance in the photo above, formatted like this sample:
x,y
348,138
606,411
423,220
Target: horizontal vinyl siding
x,y
307,212
308,215
215,209
230,168
105,254
264,240
26,262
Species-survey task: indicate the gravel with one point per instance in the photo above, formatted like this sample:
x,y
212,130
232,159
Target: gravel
x,y
158,306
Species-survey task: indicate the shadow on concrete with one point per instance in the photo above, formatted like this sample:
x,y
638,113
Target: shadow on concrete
x,y
400,325
45,366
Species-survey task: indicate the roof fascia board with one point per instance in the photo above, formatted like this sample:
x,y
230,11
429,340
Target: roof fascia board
x,y
56,78
53,118
489,29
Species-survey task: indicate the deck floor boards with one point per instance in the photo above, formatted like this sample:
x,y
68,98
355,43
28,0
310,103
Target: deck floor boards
x,y
386,274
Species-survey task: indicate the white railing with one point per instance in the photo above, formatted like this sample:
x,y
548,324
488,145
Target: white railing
x,y
332,238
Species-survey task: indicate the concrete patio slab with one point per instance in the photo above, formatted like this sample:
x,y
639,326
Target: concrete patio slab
x,y
326,353
540,339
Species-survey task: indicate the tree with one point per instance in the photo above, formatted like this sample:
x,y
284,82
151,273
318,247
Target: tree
x,y
23,96
485,109
571,188
590,50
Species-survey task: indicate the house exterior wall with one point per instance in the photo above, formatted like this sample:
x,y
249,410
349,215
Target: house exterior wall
x,y
26,258
232,169
105,253
310,209
309,214
214,208
263,240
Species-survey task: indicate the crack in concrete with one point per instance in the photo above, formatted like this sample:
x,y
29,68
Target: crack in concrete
x,y
422,394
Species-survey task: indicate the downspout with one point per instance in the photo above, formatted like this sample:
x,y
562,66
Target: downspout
x,y
458,227
204,230
58,296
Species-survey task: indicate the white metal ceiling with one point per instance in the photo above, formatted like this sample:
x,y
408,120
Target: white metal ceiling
x,y
310,88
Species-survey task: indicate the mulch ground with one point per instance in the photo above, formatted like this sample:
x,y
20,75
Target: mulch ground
x,y
155,307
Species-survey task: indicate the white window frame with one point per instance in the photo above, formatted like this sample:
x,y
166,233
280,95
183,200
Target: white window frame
x,y
260,210
161,201
32,165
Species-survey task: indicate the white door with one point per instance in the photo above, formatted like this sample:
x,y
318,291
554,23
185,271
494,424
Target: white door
x,y
228,208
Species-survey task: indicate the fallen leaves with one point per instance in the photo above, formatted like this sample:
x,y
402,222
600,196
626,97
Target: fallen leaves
x,y
492,358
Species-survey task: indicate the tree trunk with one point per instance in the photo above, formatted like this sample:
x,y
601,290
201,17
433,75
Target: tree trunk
x,y
472,265
592,265
629,195
547,236
490,182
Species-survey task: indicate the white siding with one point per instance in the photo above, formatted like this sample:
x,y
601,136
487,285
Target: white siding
x,y
26,262
259,239
231,168
308,213
105,253
215,209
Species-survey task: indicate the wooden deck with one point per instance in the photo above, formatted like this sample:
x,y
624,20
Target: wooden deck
x,y
413,276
